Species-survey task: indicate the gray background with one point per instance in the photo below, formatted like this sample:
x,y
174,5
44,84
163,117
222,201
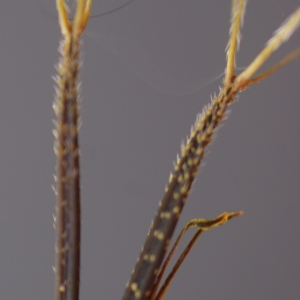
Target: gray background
x,y
142,73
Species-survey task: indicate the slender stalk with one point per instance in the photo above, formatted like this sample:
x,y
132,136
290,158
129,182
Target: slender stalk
x,y
202,225
68,172
67,220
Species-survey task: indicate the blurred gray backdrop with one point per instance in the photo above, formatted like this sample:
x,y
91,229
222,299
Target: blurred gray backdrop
x,y
143,82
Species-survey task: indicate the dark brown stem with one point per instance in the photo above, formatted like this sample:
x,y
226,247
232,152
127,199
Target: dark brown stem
x,y
68,176
176,193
